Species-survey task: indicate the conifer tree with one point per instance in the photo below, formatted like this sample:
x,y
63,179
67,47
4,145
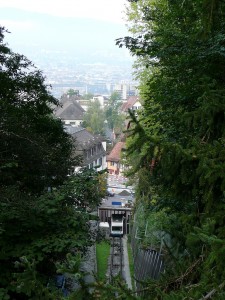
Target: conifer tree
x,y
40,221
179,47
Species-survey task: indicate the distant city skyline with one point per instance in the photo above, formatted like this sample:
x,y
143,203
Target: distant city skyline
x,y
68,24
71,41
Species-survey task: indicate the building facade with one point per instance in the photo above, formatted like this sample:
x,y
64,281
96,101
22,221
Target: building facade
x,y
92,148
133,103
114,159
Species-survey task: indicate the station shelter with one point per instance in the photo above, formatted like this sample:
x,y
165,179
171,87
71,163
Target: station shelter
x,y
105,213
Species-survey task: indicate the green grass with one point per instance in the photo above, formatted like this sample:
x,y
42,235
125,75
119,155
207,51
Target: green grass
x,y
131,263
102,253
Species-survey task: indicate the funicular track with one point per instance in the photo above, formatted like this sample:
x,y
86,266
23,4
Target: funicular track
x,y
116,259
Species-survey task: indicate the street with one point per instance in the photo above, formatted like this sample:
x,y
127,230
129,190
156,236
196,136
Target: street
x,y
117,185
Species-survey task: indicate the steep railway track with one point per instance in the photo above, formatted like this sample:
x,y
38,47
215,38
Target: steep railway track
x,y
116,259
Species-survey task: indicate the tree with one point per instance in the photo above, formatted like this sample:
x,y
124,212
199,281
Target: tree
x,y
87,96
114,98
94,117
72,92
112,114
179,136
43,230
86,188
39,221
35,151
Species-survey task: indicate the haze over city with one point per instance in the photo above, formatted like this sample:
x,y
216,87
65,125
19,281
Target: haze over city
x,y
70,40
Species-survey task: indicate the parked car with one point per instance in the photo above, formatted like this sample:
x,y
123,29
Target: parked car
x,y
109,193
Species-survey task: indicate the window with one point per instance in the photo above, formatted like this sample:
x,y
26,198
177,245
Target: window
x,y
94,150
117,228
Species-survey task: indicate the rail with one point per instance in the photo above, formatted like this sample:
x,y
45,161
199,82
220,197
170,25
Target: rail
x,y
116,261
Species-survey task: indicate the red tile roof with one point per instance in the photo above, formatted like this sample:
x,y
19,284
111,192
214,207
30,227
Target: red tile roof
x,y
115,154
130,102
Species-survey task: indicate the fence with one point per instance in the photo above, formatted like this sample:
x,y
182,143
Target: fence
x,y
148,262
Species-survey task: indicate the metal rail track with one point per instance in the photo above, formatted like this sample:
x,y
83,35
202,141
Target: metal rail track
x,y
116,261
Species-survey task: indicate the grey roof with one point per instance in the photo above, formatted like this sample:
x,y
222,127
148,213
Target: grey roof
x,y
72,129
70,110
65,97
85,139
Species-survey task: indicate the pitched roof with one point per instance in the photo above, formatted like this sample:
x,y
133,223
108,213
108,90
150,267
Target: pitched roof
x,y
65,97
130,102
85,139
70,110
115,154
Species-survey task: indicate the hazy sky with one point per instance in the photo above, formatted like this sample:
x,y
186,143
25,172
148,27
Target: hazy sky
x,y
110,10
77,24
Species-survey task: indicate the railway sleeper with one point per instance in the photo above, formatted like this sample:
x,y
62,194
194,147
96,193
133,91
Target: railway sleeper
x,y
116,265
117,253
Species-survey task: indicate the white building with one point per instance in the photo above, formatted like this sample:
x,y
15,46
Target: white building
x,y
132,103
125,90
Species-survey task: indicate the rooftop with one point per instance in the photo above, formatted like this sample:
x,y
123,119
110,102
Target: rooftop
x,y
115,154
70,110
130,102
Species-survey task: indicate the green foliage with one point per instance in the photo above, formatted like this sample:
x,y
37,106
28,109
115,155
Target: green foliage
x,y
94,117
35,152
116,290
87,96
72,92
3,294
43,228
176,144
112,114
131,264
102,255
86,188
71,265
115,97
37,228
27,283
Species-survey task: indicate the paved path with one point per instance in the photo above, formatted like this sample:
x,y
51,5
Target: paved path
x,y
126,264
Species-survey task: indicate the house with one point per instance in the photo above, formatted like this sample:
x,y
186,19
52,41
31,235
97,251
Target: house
x,y
101,99
91,147
70,111
132,103
114,164
84,103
